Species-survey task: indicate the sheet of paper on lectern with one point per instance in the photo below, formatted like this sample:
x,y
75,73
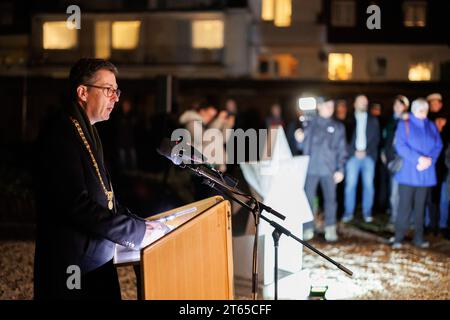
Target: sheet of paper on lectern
x,y
124,254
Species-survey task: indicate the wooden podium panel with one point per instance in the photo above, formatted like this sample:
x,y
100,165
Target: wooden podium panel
x,y
193,261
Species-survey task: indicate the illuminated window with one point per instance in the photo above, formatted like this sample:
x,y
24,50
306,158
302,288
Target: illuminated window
x,y
287,65
280,11
278,65
415,13
340,66
56,35
207,34
103,39
268,10
343,13
125,34
283,12
420,72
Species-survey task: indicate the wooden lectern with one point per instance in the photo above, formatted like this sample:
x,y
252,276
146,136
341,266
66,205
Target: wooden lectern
x,y
194,260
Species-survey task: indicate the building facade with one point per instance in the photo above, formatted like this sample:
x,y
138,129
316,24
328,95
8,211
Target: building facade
x,y
315,39
258,51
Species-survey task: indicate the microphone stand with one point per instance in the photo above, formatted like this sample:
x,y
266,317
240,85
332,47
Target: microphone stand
x,y
215,180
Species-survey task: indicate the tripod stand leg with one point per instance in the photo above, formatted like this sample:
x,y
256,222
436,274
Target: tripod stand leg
x,y
255,267
276,237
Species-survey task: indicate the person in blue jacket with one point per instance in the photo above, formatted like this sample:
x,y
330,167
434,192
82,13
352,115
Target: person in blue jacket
x,y
419,144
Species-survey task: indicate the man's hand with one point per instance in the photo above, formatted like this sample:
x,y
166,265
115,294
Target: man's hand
x,y
360,154
338,177
153,231
423,163
299,135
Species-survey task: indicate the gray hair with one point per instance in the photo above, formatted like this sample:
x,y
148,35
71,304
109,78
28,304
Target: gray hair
x,y
419,104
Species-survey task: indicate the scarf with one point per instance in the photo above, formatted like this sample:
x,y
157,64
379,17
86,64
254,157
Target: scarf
x,y
89,131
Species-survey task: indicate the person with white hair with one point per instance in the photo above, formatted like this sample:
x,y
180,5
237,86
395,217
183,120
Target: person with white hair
x,y
418,143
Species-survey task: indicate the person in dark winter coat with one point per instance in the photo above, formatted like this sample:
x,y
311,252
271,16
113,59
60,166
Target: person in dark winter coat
x,y
388,153
437,200
323,140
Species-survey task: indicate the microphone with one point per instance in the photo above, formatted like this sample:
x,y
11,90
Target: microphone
x,y
187,154
180,153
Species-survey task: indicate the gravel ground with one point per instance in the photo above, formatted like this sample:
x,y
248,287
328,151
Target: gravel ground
x,y
379,271
16,272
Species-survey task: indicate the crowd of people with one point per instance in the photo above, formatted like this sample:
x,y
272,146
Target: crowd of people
x,y
408,147
400,159
412,147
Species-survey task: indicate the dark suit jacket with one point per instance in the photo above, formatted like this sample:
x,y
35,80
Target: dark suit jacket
x,y
372,136
74,226
330,156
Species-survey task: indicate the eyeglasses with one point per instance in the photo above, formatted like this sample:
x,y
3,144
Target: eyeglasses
x,y
107,91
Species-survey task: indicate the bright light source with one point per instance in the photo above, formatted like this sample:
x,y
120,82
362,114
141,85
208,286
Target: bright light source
x,y
125,34
420,72
340,66
207,34
307,104
56,35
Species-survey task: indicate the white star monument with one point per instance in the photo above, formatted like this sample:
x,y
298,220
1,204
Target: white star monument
x,y
279,183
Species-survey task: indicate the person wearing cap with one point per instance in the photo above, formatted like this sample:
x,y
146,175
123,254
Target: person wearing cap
x,y
363,153
323,140
435,102
388,153
436,212
418,143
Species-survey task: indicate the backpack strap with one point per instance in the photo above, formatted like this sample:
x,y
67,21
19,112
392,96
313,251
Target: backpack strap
x,y
407,127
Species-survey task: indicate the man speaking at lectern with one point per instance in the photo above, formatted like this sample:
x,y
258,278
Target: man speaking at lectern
x,y
79,219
